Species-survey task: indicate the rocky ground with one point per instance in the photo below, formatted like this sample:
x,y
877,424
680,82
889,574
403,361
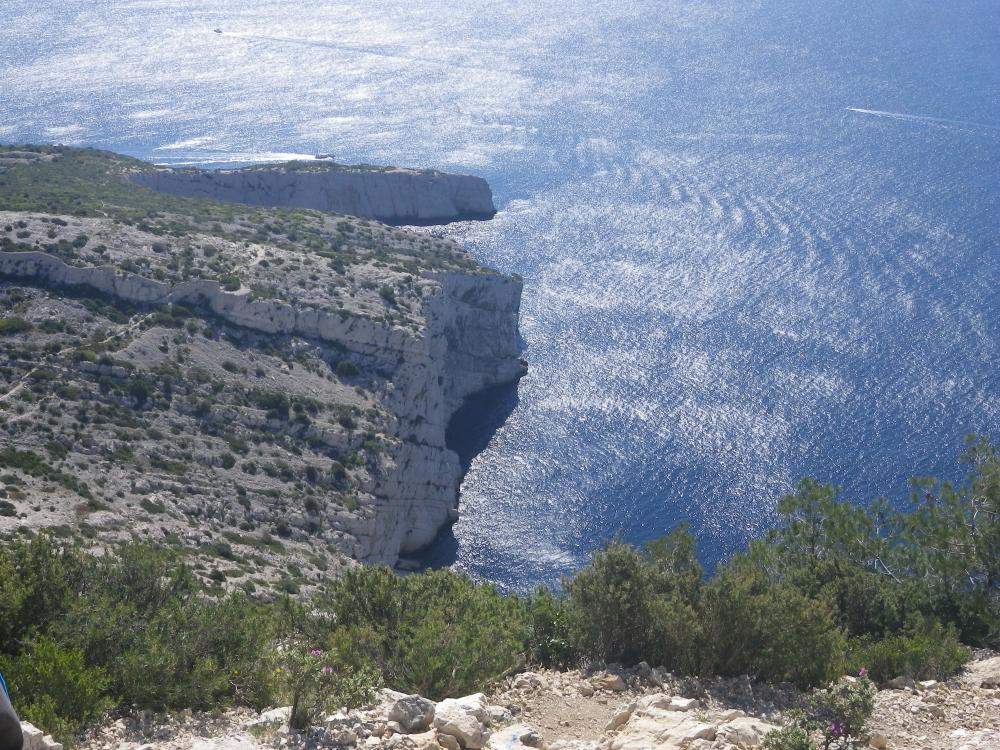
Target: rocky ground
x,y
603,710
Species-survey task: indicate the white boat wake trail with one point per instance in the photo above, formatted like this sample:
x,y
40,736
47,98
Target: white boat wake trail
x,y
921,118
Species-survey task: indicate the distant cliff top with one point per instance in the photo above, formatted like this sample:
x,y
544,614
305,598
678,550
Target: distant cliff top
x,y
394,195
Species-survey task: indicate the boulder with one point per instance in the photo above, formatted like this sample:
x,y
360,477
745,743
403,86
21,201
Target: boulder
x,y
612,682
745,731
448,742
273,716
342,737
499,715
465,719
413,713
514,737
34,738
528,681
620,717
878,741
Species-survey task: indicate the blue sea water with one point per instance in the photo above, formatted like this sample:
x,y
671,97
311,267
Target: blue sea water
x,y
759,237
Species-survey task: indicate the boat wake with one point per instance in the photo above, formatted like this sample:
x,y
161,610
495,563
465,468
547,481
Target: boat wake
x,y
921,118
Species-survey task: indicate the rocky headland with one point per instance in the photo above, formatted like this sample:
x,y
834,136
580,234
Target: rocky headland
x,y
267,389
392,195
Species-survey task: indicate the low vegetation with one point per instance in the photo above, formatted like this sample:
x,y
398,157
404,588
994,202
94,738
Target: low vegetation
x,y
835,588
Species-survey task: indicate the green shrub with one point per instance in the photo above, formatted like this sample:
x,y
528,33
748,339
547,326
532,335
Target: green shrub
x,y
770,631
931,651
630,606
550,639
162,643
346,368
438,634
11,326
791,737
318,680
838,714
54,687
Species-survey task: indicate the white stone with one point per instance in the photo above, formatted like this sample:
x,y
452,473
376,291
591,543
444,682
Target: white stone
x,y
413,713
529,681
499,715
33,736
612,682
514,737
465,719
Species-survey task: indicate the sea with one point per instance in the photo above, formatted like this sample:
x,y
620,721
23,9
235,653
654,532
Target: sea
x,y
760,239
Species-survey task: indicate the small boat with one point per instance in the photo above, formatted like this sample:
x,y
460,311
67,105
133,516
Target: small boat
x,y
324,156
218,31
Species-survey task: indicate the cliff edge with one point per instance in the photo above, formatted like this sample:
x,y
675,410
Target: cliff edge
x,y
266,389
394,196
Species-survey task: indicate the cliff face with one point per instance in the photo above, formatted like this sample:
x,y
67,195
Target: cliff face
x,y
268,390
395,196
469,342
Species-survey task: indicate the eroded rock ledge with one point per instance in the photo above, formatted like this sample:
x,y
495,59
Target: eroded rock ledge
x,y
394,196
468,342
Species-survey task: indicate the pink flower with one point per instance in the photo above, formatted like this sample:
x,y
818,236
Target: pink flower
x,y
327,670
862,672
316,652
836,729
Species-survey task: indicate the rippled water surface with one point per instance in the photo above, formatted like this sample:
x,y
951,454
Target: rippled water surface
x,y
759,239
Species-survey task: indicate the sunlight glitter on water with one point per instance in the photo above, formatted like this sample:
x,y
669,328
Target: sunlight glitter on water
x,y
759,240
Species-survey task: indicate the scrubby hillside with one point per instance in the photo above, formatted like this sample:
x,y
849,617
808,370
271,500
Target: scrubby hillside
x,y
267,390
894,598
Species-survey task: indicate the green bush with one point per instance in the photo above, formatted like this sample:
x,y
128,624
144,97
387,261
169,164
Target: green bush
x,y
10,326
318,680
769,631
438,634
791,737
838,714
931,651
54,687
550,639
613,599
346,368
164,645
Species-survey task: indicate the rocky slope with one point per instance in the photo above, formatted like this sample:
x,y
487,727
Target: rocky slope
x,y
395,196
266,390
637,709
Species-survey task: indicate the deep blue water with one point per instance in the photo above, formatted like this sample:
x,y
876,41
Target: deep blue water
x,y
759,239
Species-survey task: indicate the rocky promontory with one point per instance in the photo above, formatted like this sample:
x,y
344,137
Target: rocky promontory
x,y
391,195
267,389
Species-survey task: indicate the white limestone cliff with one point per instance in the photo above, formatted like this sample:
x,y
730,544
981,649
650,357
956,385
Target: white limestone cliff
x,y
395,196
469,342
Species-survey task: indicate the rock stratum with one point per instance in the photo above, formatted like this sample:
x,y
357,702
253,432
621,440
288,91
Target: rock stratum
x,y
267,390
394,196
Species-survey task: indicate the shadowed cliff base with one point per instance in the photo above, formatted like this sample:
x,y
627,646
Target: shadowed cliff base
x,y
469,432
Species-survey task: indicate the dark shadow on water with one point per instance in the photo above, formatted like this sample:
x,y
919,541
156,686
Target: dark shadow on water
x,y
469,432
